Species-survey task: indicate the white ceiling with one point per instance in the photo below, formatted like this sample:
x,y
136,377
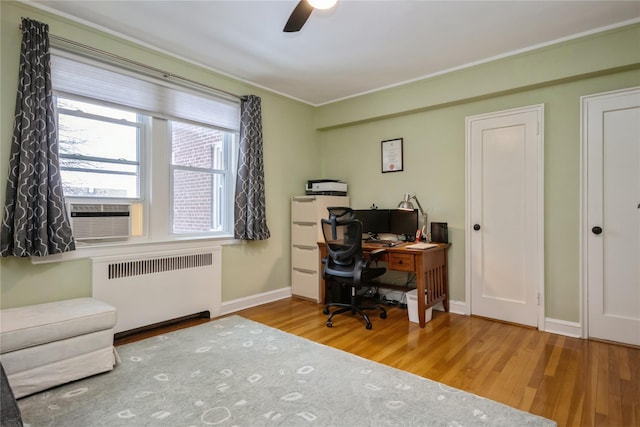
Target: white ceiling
x,y
356,47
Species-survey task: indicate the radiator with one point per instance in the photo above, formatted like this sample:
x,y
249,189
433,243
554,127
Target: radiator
x,y
159,286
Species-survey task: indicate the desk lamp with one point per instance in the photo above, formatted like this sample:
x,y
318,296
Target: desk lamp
x,y
406,204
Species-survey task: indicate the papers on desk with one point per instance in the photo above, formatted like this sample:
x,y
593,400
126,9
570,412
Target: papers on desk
x,y
421,246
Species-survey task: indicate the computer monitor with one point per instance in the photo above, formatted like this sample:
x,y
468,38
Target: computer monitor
x,y
374,221
403,222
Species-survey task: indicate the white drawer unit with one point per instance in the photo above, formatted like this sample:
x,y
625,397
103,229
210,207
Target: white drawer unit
x,y
306,282
306,232
303,233
304,258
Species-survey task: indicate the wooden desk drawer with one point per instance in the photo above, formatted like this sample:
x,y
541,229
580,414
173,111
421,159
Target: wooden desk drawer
x,y
401,262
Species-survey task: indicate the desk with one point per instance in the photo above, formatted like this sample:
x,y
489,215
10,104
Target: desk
x,y
430,266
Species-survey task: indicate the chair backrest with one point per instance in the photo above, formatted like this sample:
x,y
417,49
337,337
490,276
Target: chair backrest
x,y
343,238
341,212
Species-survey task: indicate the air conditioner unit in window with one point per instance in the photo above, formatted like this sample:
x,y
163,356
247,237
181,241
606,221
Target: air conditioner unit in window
x,y
91,221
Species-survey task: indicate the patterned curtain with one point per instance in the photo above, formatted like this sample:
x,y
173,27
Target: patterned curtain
x,y
250,217
34,221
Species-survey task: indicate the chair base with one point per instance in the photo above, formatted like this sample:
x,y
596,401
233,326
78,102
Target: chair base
x,y
343,308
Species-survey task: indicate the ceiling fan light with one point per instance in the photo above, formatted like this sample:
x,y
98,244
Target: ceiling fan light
x,y
322,4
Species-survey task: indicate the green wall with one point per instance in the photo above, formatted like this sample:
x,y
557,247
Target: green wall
x,y
291,155
430,116
342,140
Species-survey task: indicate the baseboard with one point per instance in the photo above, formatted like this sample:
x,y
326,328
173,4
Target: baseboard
x,y
458,307
554,326
562,327
254,300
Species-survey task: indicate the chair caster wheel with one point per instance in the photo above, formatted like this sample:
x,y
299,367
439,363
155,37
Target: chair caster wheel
x,y
329,324
368,326
383,315
325,311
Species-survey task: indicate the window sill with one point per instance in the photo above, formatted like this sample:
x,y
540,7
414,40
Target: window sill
x,y
136,248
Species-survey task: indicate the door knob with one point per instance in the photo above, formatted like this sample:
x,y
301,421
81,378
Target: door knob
x,y
476,227
596,230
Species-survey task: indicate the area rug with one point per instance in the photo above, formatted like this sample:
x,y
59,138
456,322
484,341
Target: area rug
x,y
236,372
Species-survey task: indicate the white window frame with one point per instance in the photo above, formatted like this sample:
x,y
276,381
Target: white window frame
x,y
156,170
142,143
228,173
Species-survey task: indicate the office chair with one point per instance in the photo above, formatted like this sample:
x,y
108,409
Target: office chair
x,y
344,264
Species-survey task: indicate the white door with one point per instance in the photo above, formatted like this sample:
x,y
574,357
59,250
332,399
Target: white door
x,y
611,215
505,262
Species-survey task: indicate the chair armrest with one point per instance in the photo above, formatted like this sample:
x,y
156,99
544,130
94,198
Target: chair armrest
x,y
377,252
373,255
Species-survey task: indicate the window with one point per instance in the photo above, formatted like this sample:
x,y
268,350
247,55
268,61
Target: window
x,y
199,171
99,150
168,151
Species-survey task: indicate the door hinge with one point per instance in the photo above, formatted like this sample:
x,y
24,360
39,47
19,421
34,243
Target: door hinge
x,y
538,298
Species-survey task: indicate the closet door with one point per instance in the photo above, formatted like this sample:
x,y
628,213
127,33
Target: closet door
x,y
505,262
611,215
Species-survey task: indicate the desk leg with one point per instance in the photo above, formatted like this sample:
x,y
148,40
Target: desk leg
x,y
420,286
445,278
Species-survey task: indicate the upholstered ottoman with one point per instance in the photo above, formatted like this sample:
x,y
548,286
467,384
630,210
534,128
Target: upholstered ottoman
x,y
45,345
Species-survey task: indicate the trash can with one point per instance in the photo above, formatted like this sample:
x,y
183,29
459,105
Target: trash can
x,y
412,307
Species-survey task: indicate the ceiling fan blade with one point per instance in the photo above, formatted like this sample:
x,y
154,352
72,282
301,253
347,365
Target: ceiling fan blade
x,y
298,17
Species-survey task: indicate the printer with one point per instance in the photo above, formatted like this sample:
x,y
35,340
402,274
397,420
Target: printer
x,y
326,187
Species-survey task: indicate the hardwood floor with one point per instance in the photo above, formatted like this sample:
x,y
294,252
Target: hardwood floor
x,y
571,381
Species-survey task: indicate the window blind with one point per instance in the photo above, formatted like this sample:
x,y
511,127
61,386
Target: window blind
x,y
91,78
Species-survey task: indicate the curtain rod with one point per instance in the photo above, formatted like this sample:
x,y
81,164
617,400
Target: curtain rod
x,y
139,64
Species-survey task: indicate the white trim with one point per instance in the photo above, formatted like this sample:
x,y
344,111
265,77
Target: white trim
x,y
541,253
582,252
133,249
255,300
554,326
458,307
562,327
539,109
228,307
467,214
482,61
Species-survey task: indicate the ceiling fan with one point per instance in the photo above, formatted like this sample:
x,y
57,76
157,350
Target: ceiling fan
x,y
302,11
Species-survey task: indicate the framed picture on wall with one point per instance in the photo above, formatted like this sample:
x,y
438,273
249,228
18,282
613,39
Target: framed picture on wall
x,y
392,155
